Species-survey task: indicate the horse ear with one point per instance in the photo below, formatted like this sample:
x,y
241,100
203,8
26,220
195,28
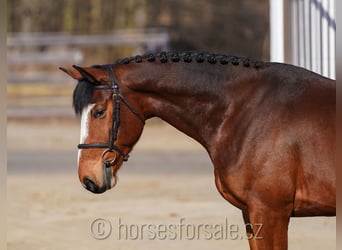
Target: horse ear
x,y
91,74
72,72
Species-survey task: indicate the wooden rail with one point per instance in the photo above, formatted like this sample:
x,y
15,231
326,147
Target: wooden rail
x,y
52,49
121,37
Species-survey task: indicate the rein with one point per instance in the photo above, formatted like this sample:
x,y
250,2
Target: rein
x,y
117,97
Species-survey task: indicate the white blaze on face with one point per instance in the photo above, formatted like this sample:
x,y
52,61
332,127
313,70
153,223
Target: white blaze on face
x,y
84,126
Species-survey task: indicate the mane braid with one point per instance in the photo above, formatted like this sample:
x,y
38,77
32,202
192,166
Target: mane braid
x,y
84,90
191,57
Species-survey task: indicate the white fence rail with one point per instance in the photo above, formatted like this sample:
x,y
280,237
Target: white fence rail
x,y
310,31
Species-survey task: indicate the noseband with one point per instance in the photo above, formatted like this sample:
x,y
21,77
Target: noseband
x,y
117,97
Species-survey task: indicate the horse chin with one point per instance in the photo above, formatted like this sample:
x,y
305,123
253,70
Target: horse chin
x,y
114,180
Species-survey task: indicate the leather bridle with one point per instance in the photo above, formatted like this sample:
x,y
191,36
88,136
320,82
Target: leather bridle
x,y
111,147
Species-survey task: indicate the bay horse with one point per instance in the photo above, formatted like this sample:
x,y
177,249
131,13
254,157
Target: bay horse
x,y
269,129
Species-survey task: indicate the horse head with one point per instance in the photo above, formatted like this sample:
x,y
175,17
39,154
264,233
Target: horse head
x,y
111,123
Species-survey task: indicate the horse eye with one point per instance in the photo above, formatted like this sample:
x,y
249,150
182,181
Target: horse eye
x,y
99,113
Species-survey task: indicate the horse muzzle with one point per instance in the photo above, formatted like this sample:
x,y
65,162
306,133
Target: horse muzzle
x,y
108,179
90,185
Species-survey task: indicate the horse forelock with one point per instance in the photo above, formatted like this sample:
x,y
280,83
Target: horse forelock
x,y
82,95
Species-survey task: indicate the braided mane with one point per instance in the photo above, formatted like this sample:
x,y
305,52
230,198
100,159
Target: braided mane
x,y
189,57
84,90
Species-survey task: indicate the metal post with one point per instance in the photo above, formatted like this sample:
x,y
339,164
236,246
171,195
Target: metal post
x,y
277,30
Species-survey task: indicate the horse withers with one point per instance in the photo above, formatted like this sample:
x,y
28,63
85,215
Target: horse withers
x,y
269,129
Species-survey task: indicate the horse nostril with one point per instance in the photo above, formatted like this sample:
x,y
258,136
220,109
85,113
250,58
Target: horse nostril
x,y
91,186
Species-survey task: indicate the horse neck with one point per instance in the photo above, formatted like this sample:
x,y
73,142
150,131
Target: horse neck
x,y
191,97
